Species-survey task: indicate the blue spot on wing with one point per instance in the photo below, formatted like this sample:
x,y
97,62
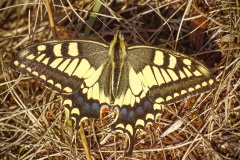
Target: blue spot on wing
x,y
87,107
129,115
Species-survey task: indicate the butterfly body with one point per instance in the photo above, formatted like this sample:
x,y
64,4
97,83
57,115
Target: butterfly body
x,y
138,80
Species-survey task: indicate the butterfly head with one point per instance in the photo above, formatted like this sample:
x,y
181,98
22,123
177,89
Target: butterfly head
x,y
117,49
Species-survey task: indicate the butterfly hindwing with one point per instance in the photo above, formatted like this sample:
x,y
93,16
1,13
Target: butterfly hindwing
x,y
93,94
135,109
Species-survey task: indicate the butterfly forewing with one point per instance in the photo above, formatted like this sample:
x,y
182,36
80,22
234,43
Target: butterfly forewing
x,y
170,76
61,65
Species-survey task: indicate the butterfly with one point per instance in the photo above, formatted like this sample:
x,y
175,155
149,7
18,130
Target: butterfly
x,y
138,80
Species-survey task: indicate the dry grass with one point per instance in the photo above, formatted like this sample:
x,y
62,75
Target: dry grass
x,y
32,122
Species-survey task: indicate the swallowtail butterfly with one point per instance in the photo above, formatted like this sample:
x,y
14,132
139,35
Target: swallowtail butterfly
x,y
138,80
